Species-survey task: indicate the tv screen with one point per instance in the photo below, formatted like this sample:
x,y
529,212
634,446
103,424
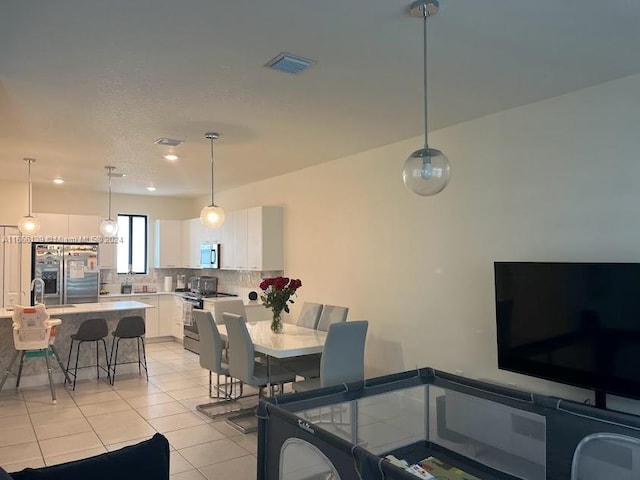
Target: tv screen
x,y
575,323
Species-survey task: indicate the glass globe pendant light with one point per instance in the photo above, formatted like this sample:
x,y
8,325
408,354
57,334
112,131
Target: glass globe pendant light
x,y
212,216
108,226
426,171
29,225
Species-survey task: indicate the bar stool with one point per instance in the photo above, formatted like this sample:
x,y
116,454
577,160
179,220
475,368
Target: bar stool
x,y
91,330
128,327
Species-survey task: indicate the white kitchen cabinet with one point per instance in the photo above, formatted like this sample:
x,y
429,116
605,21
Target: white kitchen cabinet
x,y
107,255
165,315
83,226
168,244
240,239
227,240
177,327
264,239
192,238
10,263
150,314
210,235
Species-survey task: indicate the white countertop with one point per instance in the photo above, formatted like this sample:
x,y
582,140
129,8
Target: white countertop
x,y
137,294
87,308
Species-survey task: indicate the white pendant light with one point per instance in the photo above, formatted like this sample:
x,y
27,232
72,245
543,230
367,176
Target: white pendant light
x,y
212,216
29,224
426,171
108,226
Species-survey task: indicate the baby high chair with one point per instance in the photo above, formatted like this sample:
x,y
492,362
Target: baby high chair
x,y
33,331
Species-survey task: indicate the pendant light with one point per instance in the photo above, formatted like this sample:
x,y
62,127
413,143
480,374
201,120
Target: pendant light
x,y
212,216
29,224
426,171
108,226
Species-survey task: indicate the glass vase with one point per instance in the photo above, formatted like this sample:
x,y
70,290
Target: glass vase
x,y
276,323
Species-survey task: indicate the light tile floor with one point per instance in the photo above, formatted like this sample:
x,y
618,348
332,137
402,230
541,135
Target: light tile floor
x,y
97,418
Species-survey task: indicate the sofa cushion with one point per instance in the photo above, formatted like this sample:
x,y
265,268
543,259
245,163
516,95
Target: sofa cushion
x,y
4,475
147,460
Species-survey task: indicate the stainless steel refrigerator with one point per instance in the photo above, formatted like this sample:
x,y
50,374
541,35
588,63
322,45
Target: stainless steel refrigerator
x,y
69,272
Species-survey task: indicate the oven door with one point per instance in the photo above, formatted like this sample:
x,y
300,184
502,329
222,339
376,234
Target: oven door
x,y
191,339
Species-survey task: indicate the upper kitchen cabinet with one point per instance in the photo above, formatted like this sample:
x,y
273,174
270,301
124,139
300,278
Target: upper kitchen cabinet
x,y
192,233
252,240
240,240
227,242
264,238
68,226
168,244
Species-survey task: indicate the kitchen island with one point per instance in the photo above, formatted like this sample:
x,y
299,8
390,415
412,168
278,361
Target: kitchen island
x,y
34,372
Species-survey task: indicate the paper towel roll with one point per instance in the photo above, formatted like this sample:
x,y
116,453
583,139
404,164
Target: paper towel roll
x,y
168,284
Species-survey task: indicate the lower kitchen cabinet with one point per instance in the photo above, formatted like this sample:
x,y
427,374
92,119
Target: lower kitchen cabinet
x,y
165,315
177,327
151,315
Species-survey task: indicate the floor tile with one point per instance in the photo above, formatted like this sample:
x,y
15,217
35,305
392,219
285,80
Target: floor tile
x,y
247,441
62,429
188,475
162,410
17,435
61,415
178,464
117,446
224,428
177,384
105,407
212,452
7,423
10,407
242,468
16,467
120,426
175,422
69,457
189,393
69,444
95,397
188,437
152,399
24,452
132,390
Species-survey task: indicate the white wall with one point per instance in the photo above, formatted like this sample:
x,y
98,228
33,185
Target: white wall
x,y
555,180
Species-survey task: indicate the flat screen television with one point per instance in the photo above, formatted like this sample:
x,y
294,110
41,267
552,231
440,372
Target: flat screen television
x,y
574,323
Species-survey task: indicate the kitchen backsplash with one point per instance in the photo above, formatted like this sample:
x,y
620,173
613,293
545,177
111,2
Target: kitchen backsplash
x,y
228,280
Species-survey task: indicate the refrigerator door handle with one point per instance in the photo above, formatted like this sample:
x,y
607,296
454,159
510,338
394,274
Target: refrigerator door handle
x,y
62,273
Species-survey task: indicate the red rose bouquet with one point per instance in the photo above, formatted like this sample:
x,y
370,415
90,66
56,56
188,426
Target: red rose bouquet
x,y
277,296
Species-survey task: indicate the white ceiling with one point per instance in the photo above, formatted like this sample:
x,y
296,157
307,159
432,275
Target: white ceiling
x,y
84,84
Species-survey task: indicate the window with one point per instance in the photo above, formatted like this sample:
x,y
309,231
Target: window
x,y
132,247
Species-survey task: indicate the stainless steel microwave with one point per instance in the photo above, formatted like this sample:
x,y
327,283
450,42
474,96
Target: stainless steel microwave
x,y
210,255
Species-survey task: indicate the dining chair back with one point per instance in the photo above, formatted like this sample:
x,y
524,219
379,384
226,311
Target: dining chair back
x,y
331,314
309,315
210,343
230,306
343,353
241,351
342,358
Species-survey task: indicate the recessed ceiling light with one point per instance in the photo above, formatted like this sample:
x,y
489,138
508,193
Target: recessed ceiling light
x,y
172,157
151,188
58,181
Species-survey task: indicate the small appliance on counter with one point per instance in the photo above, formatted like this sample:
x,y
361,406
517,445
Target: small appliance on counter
x,y
181,282
124,288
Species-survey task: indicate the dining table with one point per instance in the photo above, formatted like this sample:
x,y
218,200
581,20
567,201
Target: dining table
x,y
294,341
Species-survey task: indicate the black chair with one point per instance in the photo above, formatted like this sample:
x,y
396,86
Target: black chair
x,y
128,327
91,330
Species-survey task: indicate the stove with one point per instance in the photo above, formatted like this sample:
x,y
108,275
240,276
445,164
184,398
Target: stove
x,y
195,300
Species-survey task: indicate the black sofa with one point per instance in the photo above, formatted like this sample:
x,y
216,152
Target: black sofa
x,y
147,460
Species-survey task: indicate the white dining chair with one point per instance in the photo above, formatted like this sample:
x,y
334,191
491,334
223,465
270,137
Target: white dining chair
x,y
331,314
235,306
309,315
342,356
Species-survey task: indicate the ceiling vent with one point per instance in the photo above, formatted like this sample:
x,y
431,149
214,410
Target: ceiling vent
x,y
168,142
285,62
